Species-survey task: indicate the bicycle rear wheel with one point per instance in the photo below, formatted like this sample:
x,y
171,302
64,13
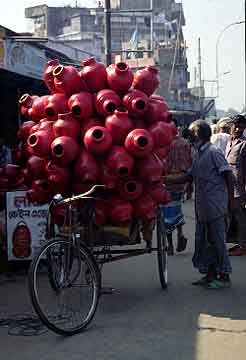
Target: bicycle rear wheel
x,y
161,250
64,286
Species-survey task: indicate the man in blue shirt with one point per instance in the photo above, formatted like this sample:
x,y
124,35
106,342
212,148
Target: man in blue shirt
x,y
213,196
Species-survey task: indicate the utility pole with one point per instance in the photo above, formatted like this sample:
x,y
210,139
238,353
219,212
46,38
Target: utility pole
x,y
107,22
200,77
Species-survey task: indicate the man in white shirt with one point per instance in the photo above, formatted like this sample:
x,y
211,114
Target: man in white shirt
x,y
222,137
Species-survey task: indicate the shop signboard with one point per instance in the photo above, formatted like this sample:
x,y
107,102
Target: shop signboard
x,y
26,226
24,59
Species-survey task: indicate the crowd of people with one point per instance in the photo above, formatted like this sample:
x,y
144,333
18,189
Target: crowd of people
x,y
212,161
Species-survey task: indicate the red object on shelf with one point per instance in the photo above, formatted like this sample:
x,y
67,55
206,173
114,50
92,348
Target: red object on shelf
x,y
67,80
26,102
119,125
150,168
59,178
119,162
139,143
144,207
36,165
66,125
46,125
64,150
136,102
157,110
37,111
130,189
57,104
120,211
146,80
162,134
97,140
39,143
94,73
89,123
48,75
81,105
106,102
86,169
24,130
119,77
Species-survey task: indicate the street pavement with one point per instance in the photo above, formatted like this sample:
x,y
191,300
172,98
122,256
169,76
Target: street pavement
x,y
140,321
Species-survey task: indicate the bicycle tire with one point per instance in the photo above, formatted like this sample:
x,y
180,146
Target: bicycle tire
x,y
91,265
162,256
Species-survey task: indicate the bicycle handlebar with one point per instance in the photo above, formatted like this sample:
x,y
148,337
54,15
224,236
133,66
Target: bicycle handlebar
x,y
60,201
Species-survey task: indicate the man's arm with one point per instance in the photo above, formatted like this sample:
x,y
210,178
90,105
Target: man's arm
x,y
180,178
230,187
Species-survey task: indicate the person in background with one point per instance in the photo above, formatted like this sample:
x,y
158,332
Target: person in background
x,y
236,157
222,136
178,162
5,154
214,126
212,176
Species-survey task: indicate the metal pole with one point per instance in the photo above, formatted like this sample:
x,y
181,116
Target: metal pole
x,y
200,77
217,50
151,27
107,22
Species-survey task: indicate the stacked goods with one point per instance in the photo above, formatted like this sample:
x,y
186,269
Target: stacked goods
x,y
98,126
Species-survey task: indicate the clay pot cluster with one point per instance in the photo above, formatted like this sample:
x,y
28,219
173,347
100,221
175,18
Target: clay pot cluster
x,y
100,125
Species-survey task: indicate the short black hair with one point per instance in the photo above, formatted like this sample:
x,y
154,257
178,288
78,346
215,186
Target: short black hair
x,y
239,119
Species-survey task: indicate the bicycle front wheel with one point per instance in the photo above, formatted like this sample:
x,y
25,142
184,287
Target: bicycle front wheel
x,y
64,286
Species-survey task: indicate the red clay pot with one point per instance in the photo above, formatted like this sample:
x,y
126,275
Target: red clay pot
x,y
57,104
88,123
107,101
67,80
120,211
144,207
146,80
162,134
119,162
119,125
25,103
159,193
139,143
139,124
64,150
130,189
37,111
162,152
36,166
101,213
24,130
34,129
81,105
59,178
46,125
94,74
66,125
86,169
119,77
150,168
97,140
48,74
39,143
40,192
136,102
106,178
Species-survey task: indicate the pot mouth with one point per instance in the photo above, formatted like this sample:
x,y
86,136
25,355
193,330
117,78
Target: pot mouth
x,y
76,110
131,186
58,70
140,104
89,61
123,171
98,134
32,140
24,98
121,66
142,141
110,107
50,112
58,150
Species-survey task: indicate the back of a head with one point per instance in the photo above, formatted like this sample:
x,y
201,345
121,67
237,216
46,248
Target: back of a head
x,y
201,129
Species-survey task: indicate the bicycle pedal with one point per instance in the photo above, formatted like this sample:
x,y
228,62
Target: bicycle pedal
x,y
107,290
